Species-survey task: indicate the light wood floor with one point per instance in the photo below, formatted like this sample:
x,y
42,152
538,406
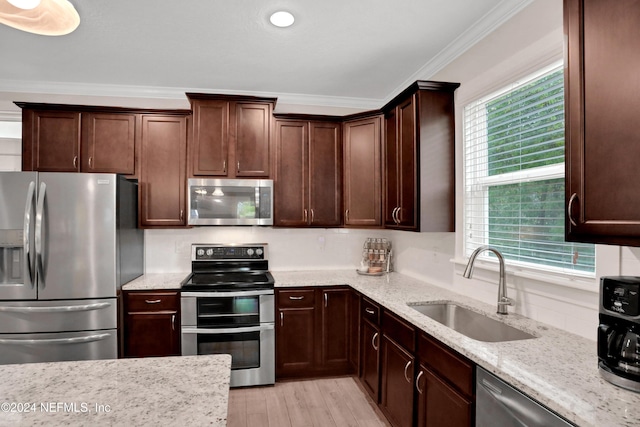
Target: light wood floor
x,y
327,402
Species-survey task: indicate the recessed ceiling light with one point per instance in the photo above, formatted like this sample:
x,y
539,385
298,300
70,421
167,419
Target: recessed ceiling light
x,y
24,4
282,19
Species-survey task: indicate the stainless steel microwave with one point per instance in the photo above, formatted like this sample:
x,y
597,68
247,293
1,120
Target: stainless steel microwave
x,y
230,201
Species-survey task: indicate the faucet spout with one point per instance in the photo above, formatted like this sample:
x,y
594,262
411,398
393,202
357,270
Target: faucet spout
x,y
503,300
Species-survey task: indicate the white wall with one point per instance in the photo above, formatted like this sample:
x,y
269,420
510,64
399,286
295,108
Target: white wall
x,y
10,145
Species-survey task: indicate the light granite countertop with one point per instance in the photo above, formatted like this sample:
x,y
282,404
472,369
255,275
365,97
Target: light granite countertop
x,y
155,391
559,369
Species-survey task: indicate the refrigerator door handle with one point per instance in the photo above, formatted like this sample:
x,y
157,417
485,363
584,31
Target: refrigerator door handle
x,y
39,244
26,235
89,338
56,309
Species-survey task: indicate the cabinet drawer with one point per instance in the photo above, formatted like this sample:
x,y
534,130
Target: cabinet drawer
x,y
371,311
445,362
399,331
152,301
296,298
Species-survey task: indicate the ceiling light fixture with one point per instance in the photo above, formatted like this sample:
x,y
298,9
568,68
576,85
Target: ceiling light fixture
x,y
282,19
25,4
48,18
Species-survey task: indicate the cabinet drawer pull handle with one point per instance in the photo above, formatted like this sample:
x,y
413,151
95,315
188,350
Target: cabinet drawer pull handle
x,y
398,214
181,214
297,298
173,322
152,301
418,382
75,161
346,215
238,170
305,215
326,299
393,214
91,162
405,372
281,318
572,199
311,216
369,311
373,342
224,166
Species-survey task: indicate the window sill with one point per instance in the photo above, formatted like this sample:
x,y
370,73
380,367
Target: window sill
x,y
586,284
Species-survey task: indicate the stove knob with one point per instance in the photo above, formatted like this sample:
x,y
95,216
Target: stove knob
x,y
259,252
209,252
200,252
250,252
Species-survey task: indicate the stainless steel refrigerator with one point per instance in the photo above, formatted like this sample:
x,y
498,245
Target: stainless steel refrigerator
x,y
68,242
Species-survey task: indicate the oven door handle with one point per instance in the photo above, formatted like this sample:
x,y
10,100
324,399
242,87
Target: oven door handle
x,y
212,331
227,294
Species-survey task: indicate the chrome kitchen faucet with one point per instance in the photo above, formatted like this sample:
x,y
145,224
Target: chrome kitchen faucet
x,y
503,300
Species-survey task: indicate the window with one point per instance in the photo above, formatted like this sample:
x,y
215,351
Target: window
x,y
514,176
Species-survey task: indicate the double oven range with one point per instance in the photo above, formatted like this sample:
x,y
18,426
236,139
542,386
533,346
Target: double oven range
x,y
227,305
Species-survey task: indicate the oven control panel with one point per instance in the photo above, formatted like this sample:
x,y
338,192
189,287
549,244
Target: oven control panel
x,y
203,252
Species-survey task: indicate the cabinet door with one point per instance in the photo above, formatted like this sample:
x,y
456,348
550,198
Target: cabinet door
x,y
295,342
370,348
407,215
108,143
391,169
439,404
51,141
163,170
325,174
252,139
335,330
396,394
362,173
291,181
209,152
152,334
354,332
602,142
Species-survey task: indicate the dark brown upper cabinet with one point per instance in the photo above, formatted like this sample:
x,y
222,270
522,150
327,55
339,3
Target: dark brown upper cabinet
x,y
419,152
308,178
362,171
601,105
60,138
231,136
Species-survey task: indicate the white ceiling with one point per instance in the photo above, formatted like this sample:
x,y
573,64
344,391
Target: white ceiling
x,y
354,54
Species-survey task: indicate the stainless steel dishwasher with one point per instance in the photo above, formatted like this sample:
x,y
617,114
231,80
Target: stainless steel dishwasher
x,y
499,404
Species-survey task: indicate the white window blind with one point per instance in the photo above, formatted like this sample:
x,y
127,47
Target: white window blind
x,y
514,176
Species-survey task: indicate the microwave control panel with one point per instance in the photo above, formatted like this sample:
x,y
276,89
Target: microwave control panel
x,y
621,295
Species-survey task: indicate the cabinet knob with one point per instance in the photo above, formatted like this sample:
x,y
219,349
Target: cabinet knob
x,y
418,381
572,199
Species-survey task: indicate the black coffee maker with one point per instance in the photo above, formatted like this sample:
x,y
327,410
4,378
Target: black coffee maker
x,y
619,331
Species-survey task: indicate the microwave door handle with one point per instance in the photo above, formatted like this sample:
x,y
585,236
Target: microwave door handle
x,y
26,235
221,331
39,232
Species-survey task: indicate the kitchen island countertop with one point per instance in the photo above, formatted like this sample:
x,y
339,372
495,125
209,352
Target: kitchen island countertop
x,y
155,391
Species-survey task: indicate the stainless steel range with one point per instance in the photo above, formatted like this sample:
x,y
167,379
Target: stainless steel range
x,y
227,305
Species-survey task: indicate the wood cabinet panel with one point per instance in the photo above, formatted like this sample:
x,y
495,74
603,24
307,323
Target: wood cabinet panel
x,y
295,342
292,171
602,142
335,330
163,171
151,328
325,174
407,214
370,363
362,172
397,382
210,146
354,332
108,143
252,139
51,141
439,404
296,298
454,367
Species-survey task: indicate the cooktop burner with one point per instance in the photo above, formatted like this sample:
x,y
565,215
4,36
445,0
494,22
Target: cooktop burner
x,y
228,268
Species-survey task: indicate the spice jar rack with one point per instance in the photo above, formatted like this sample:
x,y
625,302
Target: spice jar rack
x,y
376,257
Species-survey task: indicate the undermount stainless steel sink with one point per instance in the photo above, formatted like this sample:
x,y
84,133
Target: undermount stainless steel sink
x,y
468,322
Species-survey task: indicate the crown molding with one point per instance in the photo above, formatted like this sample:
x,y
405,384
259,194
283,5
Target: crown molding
x,y
497,16
10,116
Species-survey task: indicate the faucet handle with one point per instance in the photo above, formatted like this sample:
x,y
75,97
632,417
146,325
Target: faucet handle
x,y
505,301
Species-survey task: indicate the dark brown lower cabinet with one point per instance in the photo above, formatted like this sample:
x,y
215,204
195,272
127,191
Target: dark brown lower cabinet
x,y
151,324
370,363
439,404
396,395
312,332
